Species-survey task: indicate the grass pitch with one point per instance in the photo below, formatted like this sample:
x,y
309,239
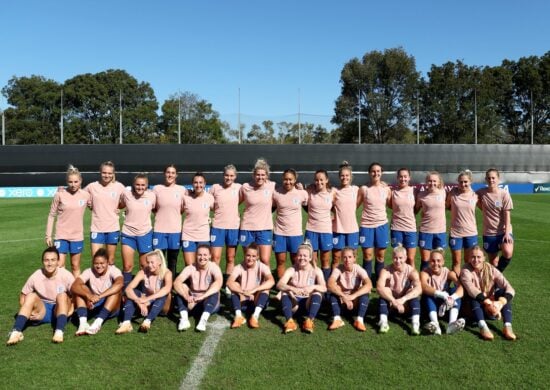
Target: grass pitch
x,y
265,358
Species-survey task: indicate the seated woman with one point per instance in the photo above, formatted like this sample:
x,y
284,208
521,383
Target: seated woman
x,y
149,291
249,284
399,286
97,293
45,298
302,286
485,285
349,285
439,296
201,293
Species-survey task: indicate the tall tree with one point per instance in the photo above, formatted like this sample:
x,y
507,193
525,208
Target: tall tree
x,y
35,113
381,88
198,121
94,104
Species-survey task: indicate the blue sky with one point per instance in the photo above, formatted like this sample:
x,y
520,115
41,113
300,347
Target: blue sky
x,y
279,53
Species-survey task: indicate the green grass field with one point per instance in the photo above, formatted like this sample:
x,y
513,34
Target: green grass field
x,y
265,358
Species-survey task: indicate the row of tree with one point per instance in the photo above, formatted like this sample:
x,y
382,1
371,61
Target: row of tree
x,y
383,99
456,103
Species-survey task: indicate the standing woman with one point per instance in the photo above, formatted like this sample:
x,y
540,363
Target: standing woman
x,y
257,219
105,198
69,207
137,233
225,227
287,234
489,293
149,292
432,223
345,229
496,204
196,225
462,202
374,234
302,286
403,222
319,220
168,209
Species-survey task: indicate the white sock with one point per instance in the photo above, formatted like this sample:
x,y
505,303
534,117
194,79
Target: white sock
x,y
383,319
257,311
337,318
124,322
508,324
416,320
238,313
360,319
184,315
482,324
82,320
97,323
453,315
204,317
433,316
146,322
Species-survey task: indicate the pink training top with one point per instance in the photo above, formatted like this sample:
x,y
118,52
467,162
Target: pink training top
x,y
201,279
257,206
226,206
471,281
345,206
302,277
100,283
138,212
196,225
168,208
375,199
152,283
249,278
319,218
289,211
349,281
437,281
69,209
105,200
49,288
400,282
433,211
463,213
402,204
493,207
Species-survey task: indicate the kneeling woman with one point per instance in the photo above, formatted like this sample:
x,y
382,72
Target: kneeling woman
x,y
302,286
349,285
249,283
45,298
489,292
97,292
439,296
202,291
399,286
149,291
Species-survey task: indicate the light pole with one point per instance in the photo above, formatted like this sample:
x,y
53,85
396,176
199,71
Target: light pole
x,y
3,127
359,116
179,119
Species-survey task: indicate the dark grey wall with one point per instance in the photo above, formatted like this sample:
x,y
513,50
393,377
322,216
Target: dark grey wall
x,y
37,165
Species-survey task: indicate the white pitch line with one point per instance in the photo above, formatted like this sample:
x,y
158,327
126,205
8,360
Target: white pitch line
x,y
215,332
523,239
22,240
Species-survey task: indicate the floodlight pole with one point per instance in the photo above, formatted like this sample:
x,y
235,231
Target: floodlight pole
x,y
61,118
179,119
359,115
417,122
239,116
299,123
475,116
532,119
3,128
120,117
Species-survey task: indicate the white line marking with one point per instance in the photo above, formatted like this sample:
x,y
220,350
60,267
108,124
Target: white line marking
x,y
215,332
523,239
22,240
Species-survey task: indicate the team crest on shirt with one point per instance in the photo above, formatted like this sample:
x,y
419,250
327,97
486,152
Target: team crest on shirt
x,y
208,279
438,198
295,200
383,193
234,193
410,197
146,202
205,205
81,202
267,193
113,194
498,203
310,281
177,195
60,289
